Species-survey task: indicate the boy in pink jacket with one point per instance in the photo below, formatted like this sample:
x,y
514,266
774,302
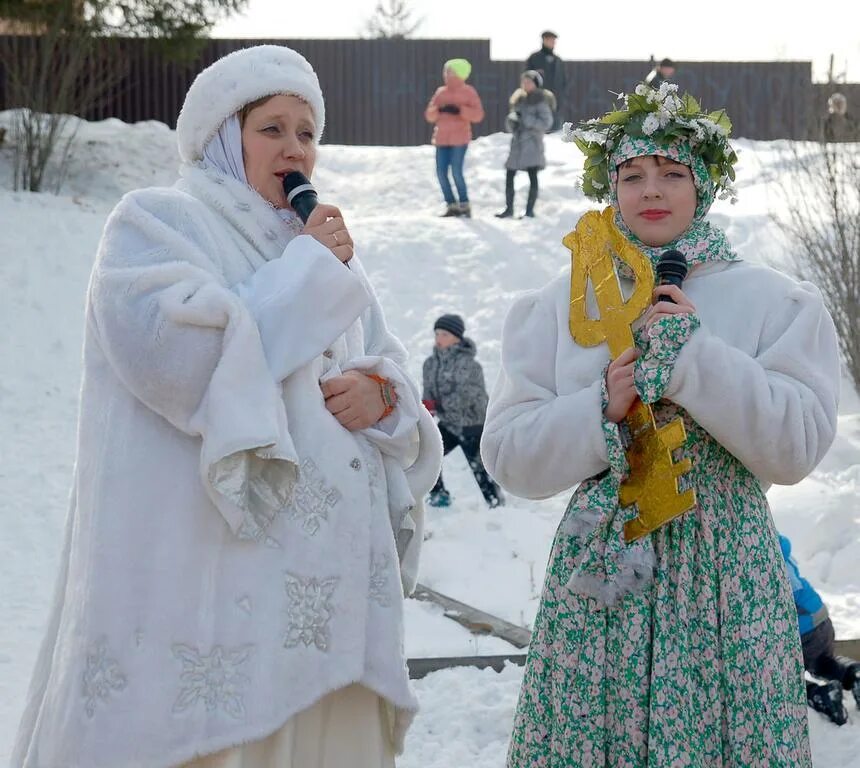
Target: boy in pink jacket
x,y
453,109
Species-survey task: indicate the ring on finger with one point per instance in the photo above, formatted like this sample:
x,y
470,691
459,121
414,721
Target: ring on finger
x,y
336,241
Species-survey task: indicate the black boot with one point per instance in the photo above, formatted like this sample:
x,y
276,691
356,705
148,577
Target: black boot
x,y
827,699
530,204
509,196
851,679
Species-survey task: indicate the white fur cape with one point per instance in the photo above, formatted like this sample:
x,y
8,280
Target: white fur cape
x,y
231,551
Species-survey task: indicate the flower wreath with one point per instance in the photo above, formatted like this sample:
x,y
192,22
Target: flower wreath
x,y
664,117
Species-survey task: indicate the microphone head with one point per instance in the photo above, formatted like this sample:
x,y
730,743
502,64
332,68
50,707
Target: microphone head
x,y
295,182
672,264
300,194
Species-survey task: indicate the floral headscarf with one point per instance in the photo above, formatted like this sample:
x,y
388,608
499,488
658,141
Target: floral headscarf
x,y
701,241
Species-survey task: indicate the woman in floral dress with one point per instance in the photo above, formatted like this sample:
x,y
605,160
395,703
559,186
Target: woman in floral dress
x,y
679,648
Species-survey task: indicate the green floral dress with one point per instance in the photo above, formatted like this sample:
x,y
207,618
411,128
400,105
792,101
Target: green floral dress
x,y
699,668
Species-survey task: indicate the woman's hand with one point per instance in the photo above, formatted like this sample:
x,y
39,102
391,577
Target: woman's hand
x,y
619,385
325,224
682,305
354,399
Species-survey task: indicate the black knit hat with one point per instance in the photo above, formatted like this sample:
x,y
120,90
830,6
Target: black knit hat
x,y
451,323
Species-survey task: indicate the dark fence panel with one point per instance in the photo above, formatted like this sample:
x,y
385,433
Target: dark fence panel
x,y
765,100
376,90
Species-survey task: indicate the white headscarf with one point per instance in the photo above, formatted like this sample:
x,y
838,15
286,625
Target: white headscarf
x,y
224,151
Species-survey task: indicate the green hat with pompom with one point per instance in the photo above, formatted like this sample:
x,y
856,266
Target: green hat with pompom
x,y
460,67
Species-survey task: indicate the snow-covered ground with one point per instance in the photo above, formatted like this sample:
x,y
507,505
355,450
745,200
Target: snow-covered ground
x,y
421,266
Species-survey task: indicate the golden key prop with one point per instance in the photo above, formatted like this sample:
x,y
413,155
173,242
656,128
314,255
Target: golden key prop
x,y
653,481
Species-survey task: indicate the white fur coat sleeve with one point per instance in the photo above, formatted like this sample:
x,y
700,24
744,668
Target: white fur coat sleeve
x,y
309,291
537,442
190,349
776,409
408,439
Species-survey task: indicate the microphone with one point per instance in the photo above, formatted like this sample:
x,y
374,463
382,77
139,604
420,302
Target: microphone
x,y
301,194
671,270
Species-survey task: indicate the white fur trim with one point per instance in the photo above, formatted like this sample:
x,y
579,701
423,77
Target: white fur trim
x,y
237,79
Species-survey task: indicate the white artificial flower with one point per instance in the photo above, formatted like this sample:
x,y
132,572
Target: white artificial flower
x,y
672,103
568,132
588,135
729,192
701,132
651,123
643,90
666,88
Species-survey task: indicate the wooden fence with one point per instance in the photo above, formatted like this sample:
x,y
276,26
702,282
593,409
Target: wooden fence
x,y
376,90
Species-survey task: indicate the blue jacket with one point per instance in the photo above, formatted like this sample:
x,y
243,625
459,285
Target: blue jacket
x,y
810,608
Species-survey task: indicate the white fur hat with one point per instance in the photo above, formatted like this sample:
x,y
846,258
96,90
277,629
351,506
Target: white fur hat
x,y
237,79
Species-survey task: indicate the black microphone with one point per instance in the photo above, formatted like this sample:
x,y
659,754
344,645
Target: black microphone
x,y
300,193
671,270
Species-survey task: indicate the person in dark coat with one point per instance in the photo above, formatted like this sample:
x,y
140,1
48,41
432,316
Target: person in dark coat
x,y
839,125
817,639
454,391
662,73
551,68
529,119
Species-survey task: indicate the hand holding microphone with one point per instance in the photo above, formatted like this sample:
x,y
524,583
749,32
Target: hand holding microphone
x,y
668,298
322,222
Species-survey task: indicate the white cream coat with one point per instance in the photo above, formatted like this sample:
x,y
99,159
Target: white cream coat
x,y
231,551
761,375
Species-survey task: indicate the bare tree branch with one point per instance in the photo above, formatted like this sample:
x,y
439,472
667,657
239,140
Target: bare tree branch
x,y
66,66
821,220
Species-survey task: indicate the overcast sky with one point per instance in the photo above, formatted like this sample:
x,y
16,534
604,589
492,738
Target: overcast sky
x,y
729,30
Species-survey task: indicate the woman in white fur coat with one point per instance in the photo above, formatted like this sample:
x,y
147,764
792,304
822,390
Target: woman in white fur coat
x,y
247,509
679,649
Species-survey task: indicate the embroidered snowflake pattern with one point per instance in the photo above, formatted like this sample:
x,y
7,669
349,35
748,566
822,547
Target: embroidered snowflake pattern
x,y
102,676
309,611
311,499
375,470
379,589
215,679
251,531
